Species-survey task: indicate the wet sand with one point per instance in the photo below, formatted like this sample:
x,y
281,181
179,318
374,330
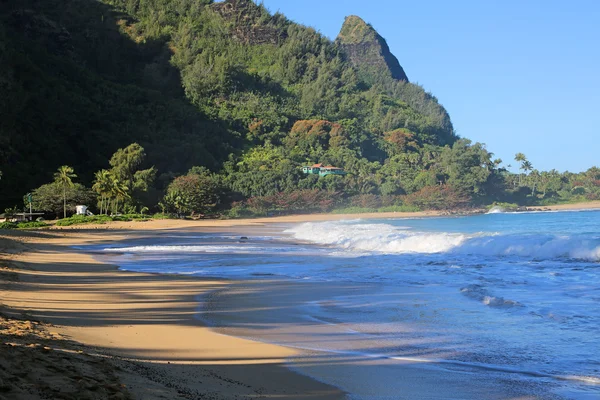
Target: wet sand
x,y
143,324
365,365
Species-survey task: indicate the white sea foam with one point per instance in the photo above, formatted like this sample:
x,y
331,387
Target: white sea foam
x,y
224,249
358,239
388,239
380,238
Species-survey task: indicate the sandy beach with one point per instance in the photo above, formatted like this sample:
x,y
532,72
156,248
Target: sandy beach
x,y
140,327
589,205
72,327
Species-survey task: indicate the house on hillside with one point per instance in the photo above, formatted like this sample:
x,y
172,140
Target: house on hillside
x,y
322,170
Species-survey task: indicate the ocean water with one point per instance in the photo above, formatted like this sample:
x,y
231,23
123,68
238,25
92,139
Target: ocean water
x,y
508,296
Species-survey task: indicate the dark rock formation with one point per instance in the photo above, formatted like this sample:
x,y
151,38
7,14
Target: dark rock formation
x,y
249,22
369,52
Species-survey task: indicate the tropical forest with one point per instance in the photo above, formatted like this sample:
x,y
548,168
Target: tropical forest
x,y
201,108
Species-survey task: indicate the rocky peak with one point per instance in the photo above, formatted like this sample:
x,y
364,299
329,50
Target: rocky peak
x,y
368,51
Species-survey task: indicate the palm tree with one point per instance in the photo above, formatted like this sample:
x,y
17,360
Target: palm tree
x,y
520,158
102,186
118,191
534,178
64,177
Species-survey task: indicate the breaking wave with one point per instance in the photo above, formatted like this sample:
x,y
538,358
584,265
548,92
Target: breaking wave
x,y
388,239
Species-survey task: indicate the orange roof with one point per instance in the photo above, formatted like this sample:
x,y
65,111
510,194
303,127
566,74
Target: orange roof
x,y
331,167
317,166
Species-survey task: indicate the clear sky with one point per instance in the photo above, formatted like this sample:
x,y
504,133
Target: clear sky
x,y
518,75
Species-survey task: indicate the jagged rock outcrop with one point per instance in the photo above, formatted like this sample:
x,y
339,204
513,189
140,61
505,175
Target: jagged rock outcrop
x,y
249,22
369,52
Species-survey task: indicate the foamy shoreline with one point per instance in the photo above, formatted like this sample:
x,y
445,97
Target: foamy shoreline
x,y
213,224
146,318
150,318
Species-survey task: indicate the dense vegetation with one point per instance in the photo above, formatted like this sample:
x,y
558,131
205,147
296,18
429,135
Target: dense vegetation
x,y
195,107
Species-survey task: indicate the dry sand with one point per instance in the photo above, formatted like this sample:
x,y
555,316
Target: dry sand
x,y
589,205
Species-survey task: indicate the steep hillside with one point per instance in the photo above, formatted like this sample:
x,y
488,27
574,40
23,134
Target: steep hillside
x,y
200,83
75,88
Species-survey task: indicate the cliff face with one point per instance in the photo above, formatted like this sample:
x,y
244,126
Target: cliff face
x,y
249,23
369,52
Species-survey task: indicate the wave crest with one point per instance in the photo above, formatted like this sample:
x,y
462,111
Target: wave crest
x,y
388,239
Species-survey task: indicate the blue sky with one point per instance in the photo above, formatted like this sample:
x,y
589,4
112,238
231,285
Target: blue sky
x,y
518,75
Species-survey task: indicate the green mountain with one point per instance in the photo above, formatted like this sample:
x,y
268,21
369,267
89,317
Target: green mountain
x,y
224,85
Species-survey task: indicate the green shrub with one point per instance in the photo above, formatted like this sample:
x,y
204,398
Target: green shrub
x,y
238,212
402,208
120,218
100,219
8,225
84,219
354,210
32,224
437,197
552,201
164,216
135,217
363,210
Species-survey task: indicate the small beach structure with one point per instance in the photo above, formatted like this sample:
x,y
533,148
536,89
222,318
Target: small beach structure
x,y
82,210
322,170
20,217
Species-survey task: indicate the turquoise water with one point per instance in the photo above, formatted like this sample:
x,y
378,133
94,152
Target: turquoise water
x,y
515,293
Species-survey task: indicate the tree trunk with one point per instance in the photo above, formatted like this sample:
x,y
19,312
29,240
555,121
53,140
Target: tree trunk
x,y
65,201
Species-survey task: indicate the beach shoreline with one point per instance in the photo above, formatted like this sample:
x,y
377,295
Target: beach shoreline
x,y
220,224
126,316
588,205
143,323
